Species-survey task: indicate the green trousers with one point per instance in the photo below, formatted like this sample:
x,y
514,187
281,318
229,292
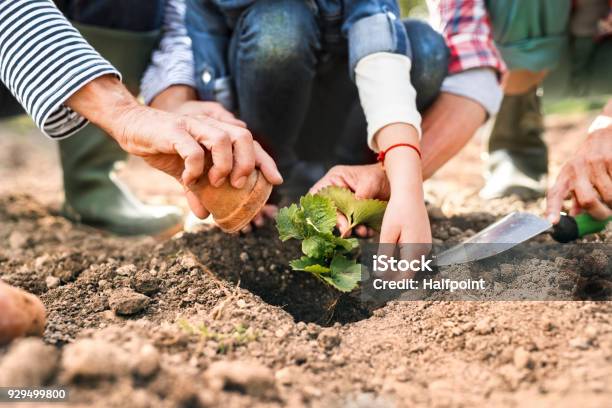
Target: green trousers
x,y
541,35
128,51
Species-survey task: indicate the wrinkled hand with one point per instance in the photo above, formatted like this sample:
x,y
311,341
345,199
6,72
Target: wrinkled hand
x,y
183,100
175,145
366,181
586,178
211,109
171,142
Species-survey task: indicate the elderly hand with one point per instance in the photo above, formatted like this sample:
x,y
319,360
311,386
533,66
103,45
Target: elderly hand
x,y
586,177
183,99
174,143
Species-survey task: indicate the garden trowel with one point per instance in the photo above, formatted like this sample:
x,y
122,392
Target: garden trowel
x,y
514,229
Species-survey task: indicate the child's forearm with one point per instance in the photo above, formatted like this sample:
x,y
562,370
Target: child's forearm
x,y
402,165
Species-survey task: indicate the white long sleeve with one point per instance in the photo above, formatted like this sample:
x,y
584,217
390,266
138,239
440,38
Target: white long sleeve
x,y
478,84
386,93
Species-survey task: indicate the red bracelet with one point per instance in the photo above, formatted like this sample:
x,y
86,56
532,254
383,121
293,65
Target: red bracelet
x,y
382,154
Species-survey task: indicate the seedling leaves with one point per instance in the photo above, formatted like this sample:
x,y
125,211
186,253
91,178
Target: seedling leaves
x,y
368,212
327,256
345,273
320,213
290,223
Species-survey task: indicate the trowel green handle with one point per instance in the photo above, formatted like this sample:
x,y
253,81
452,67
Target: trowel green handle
x,y
571,228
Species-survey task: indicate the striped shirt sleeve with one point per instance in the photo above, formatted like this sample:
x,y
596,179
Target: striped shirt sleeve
x,y
43,61
172,63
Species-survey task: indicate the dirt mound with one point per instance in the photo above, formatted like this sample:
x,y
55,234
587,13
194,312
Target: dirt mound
x,y
211,319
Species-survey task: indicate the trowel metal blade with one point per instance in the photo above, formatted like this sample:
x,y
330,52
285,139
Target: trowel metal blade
x,y
498,237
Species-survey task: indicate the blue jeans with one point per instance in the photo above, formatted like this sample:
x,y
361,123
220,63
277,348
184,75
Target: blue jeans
x,y
297,97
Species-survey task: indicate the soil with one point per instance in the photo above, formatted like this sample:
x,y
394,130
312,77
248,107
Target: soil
x,y
210,319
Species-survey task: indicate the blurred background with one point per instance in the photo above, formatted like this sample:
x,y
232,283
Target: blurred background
x,y
414,8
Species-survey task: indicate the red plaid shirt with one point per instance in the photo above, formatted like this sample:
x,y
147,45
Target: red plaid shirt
x,y
466,27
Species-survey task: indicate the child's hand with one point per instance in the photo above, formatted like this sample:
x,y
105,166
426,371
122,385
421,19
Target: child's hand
x,y
405,222
366,181
405,232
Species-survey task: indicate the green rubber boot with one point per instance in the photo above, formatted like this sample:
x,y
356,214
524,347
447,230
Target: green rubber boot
x,y
517,161
93,194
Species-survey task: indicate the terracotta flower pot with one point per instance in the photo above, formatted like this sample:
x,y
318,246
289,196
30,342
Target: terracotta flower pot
x,y
234,208
21,314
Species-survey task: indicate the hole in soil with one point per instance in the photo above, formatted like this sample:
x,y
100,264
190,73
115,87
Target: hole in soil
x,y
594,290
259,261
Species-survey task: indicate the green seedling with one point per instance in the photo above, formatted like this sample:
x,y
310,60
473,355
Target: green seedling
x,y
240,335
328,256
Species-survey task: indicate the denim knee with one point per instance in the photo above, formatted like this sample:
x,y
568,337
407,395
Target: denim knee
x,y
430,58
277,34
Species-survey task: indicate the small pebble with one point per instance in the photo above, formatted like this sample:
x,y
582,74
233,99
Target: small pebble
x,y
454,231
93,359
126,270
17,240
483,326
29,362
329,338
126,302
40,261
146,362
188,262
52,282
580,343
247,377
146,283
591,333
286,375
522,358
337,360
